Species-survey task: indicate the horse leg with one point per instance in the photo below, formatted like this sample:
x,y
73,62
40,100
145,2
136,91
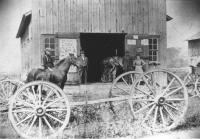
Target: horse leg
x,y
62,85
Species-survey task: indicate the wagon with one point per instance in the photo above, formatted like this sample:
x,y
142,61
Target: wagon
x,y
192,82
42,110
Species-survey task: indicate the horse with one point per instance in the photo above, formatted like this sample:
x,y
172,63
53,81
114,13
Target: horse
x,y
111,66
57,75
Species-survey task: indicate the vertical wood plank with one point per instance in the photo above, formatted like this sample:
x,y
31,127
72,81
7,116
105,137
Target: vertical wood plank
x,y
107,15
140,17
55,16
42,16
151,16
62,17
72,16
112,16
48,16
118,15
102,13
78,15
90,9
42,29
146,17
67,15
95,16
129,27
85,16
123,15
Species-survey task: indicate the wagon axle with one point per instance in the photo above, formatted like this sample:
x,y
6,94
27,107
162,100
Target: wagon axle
x,y
161,100
40,111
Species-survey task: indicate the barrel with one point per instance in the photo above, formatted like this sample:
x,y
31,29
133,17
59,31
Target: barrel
x,y
72,78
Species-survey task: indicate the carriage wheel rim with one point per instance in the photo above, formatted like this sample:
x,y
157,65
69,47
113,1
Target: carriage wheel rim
x,y
157,108
41,116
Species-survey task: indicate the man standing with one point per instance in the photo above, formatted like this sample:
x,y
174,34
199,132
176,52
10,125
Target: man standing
x,y
83,70
47,59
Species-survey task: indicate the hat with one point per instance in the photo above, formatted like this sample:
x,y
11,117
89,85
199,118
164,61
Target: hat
x,y
48,49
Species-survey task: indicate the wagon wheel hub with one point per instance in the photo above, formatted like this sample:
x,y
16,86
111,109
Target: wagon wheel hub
x,y
40,111
161,100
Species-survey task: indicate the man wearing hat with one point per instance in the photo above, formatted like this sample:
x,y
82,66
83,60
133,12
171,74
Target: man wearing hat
x,y
47,59
83,70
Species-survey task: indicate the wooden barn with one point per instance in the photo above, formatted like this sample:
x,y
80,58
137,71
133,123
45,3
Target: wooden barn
x,y
194,49
101,28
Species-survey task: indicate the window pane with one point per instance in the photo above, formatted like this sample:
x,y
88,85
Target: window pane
x,y
150,53
46,40
154,41
154,58
150,47
46,45
154,53
150,41
52,46
53,53
150,58
52,40
155,47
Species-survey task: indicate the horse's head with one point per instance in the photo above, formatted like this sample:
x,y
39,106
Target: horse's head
x,y
118,61
76,62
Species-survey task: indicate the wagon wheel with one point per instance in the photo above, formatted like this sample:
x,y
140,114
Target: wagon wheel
x,y
39,110
159,100
189,81
196,92
7,89
122,85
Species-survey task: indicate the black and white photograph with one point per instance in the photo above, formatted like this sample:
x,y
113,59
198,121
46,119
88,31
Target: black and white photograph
x,y
99,69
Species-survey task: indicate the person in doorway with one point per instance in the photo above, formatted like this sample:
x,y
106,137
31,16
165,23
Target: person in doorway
x,y
138,63
47,59
83,70
127,62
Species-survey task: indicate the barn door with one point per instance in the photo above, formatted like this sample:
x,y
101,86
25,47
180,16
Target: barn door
x,y
69,43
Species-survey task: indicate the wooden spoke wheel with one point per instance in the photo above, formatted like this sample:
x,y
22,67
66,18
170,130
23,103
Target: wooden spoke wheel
x,y
159,99
7,89
190,81
123,83
39,110
196,92
121,87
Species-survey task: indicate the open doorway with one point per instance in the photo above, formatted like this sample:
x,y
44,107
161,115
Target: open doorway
x,y
98,46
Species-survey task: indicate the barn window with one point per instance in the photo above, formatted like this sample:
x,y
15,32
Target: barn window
x,y
49,42
153,49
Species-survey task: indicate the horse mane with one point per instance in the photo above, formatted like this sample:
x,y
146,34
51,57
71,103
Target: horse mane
x,y
60,62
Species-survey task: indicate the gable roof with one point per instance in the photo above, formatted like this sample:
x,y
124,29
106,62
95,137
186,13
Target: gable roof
x,y
194,37
26,19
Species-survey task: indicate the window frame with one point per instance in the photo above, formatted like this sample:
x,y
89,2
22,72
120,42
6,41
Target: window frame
x,y
153,49
49,43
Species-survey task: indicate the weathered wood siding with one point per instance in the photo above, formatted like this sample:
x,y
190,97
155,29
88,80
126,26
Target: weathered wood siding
x,y
194,51
194,48
26,50
103,16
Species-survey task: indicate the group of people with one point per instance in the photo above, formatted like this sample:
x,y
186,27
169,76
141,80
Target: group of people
x,y
128,64
48,63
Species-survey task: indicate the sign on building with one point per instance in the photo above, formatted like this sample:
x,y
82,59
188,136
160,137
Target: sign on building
x,y
67,46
